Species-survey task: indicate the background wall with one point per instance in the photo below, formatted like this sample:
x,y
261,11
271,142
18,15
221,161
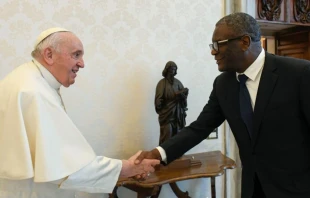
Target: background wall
x,y
127,44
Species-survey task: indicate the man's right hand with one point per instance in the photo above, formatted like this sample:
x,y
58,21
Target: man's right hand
x,y
153,154
141,170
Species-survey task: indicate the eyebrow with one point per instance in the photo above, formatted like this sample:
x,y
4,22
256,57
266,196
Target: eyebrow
x,y
78,51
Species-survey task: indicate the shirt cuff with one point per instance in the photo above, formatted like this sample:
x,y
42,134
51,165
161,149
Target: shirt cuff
x,y
162,153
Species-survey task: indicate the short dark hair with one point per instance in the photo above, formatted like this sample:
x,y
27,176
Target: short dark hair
x,y
241,24
168,65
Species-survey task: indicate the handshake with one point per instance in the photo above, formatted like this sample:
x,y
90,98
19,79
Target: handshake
x,y
138,167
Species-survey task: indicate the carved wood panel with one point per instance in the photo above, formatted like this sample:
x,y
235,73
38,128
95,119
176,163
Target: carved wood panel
x,y
300,11
270,10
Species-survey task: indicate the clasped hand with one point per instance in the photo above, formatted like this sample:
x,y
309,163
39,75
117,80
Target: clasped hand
x,y
141,170
146,155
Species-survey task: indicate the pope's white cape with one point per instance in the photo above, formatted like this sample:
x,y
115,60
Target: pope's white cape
x,y
37,138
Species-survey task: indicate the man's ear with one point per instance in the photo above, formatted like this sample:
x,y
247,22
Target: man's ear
x,y
48,55
246,42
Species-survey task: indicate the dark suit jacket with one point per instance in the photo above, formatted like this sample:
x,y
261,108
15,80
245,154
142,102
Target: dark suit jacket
x,y
279,152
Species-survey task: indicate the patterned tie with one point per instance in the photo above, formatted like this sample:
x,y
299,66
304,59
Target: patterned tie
x,y
245,104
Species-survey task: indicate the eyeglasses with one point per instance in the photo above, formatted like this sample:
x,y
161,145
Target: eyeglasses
x,y
215,45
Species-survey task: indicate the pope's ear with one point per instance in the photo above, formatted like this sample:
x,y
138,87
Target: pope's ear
x,y
48,55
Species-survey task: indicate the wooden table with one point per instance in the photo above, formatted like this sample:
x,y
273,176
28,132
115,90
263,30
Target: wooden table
x,y
212,164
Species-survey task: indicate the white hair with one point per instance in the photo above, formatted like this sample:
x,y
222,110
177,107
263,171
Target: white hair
x,y
53,41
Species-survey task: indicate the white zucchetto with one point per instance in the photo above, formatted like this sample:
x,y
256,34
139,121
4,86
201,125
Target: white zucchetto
x,y
48,32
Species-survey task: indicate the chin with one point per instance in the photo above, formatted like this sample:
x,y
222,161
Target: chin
x,y
221,68
66,85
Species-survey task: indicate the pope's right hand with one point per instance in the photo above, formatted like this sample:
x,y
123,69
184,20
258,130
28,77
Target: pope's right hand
x,y
139,170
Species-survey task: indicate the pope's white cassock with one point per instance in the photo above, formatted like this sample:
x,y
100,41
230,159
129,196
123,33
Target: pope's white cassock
x,y
42,153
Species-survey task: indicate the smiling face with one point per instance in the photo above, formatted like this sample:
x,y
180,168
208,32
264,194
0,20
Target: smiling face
x,y
68,59
229,55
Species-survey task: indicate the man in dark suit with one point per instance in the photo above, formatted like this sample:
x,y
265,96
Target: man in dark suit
x,y
274,139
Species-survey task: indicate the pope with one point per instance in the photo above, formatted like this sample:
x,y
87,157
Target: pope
x,y
40,146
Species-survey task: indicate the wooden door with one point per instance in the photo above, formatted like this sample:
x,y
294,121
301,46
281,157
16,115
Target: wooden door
x,y
293,44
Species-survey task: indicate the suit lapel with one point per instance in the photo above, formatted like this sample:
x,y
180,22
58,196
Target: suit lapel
x,y
265,89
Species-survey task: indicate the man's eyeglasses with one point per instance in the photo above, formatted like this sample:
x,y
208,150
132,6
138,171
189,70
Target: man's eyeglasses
x,y
215,45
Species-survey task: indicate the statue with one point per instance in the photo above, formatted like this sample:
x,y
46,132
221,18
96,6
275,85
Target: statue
x,y
170,103
171,107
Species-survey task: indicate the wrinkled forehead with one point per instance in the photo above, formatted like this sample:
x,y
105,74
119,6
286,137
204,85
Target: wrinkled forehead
x,y
69,37
222,32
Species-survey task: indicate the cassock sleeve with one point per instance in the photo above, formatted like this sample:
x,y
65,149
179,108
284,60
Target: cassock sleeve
x,y
100,176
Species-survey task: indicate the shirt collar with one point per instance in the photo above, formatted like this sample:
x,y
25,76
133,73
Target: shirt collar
x,y
50,79
252,71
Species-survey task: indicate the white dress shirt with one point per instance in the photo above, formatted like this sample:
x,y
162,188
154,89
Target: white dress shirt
x,y
254,72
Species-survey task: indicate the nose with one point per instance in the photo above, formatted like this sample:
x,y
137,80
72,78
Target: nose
x,y
213,52
80,63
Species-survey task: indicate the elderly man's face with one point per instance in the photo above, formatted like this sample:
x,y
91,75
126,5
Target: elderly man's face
x,y
228,55
69,60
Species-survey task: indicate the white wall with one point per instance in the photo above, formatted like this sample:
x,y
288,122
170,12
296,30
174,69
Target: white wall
x,y
127,44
